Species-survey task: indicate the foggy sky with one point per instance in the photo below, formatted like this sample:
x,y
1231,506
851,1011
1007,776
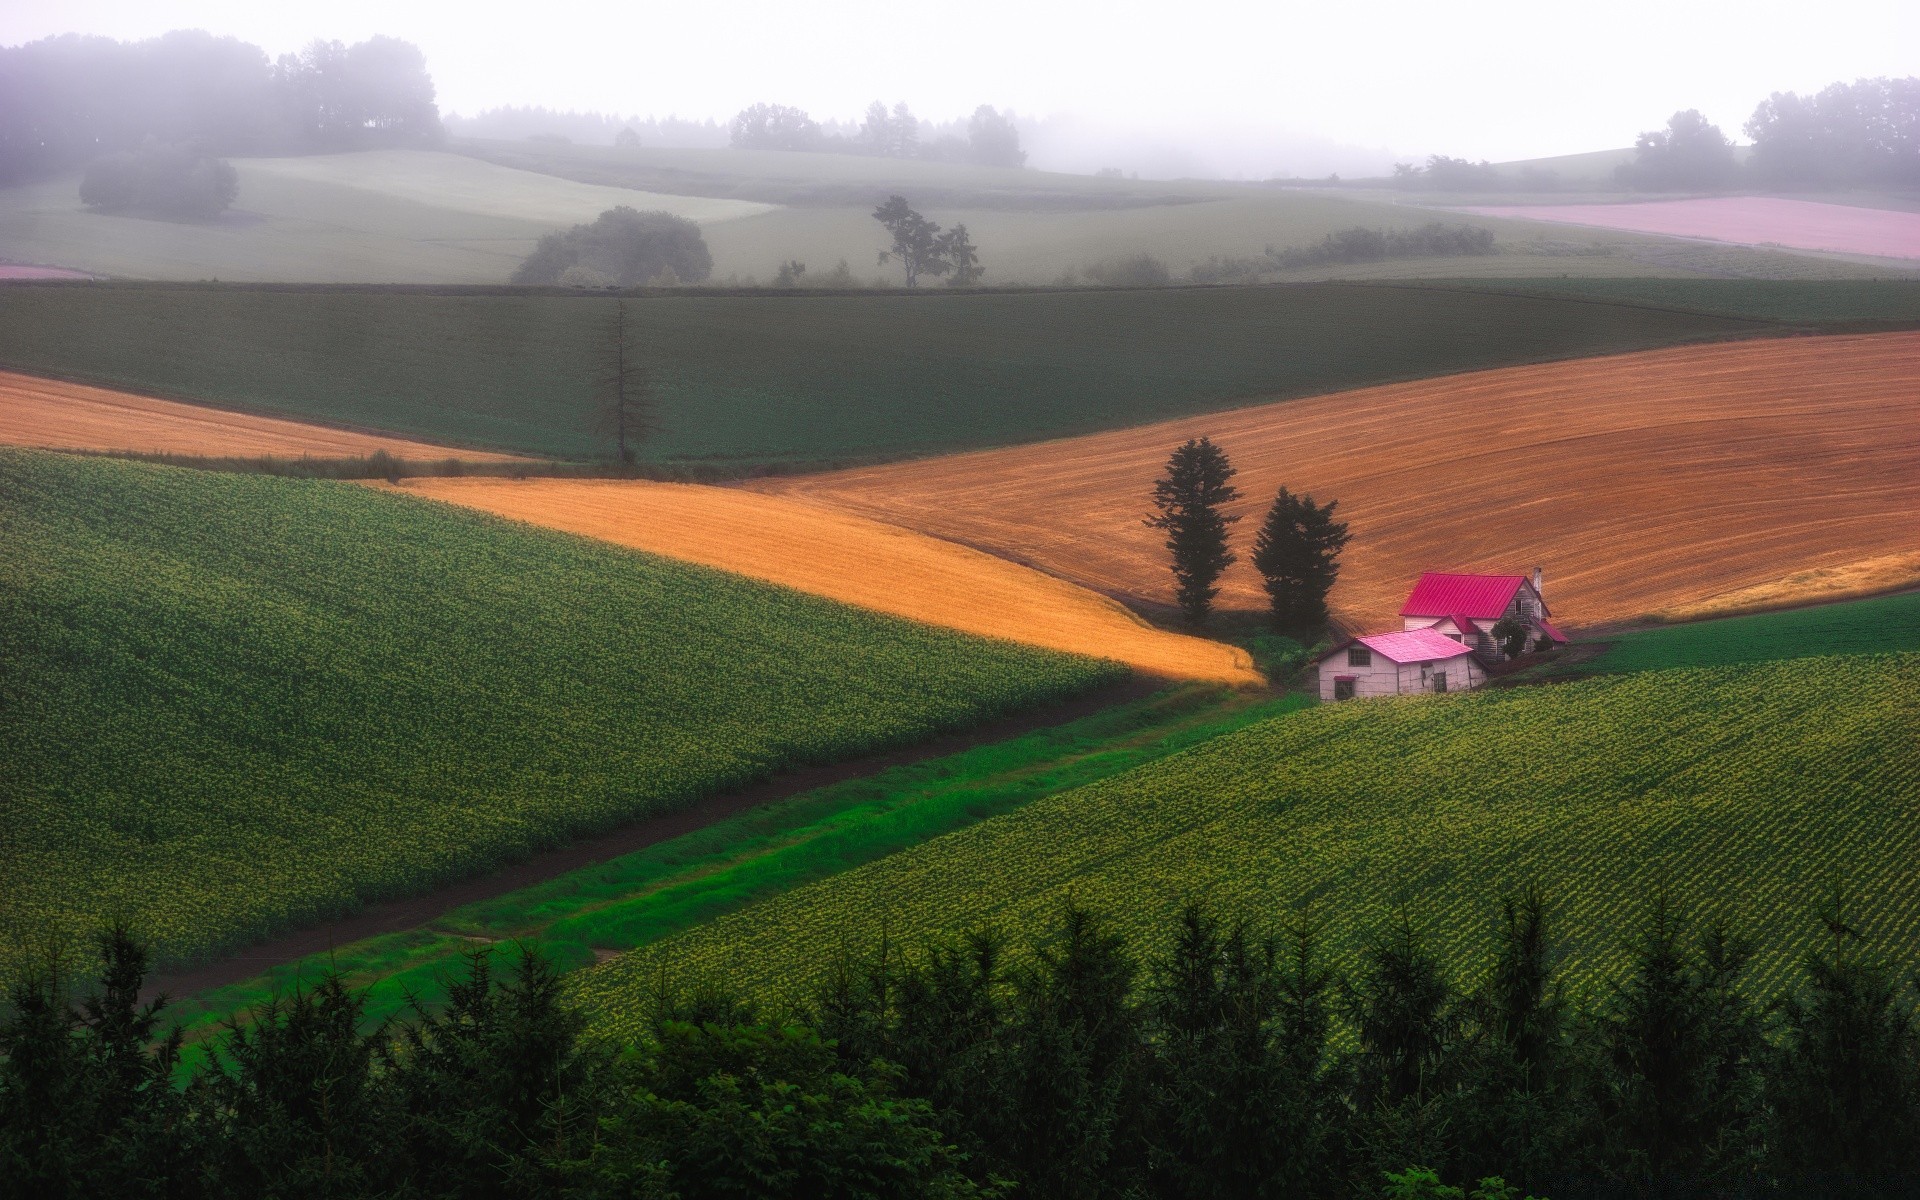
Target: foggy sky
x,y
1368,81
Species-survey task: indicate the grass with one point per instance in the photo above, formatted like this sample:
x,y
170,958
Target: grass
x,y
754,380
239,703
653,893
1751,787
376,217
1881,625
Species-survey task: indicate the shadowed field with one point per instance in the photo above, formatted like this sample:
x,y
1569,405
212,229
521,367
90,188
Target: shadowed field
x,y
848,558
1641,482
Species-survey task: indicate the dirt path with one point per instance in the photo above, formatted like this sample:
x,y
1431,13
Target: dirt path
x,y
392,916
852,559
51,414
1641,482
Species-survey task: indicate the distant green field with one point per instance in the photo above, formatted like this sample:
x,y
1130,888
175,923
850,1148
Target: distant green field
x,y
751,379
236,703
1861,300
376,217
1752,788
1881,625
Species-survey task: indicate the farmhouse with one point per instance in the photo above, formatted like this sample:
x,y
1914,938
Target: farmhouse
x,y
1446,642
1391,664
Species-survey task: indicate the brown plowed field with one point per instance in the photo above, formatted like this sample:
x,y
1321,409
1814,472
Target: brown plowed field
x,y
53,415
848,558
1641,482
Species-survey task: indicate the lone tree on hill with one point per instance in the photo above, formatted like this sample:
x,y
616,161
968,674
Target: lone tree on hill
x,y
1297,553
627,406
962,256
916,240
1189,498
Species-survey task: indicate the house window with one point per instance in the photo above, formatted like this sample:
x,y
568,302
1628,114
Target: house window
x,y
1454,636
1359,656
1343,689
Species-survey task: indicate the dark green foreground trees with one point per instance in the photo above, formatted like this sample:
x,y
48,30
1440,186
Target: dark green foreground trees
x,y
1235,1063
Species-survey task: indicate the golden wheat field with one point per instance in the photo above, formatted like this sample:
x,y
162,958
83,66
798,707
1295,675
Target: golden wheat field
x,y
849,558
51,414
1643,482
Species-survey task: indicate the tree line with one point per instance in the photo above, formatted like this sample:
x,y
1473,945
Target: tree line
x,y
1235,1061
1297,549
1860,134
990,140
67,101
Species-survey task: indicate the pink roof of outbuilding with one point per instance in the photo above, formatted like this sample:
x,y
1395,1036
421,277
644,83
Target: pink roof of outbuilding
x,y
1440,594
1414,645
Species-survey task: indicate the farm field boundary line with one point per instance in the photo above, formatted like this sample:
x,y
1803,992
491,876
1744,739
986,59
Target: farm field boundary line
x,y
1640,481
855,560
392,916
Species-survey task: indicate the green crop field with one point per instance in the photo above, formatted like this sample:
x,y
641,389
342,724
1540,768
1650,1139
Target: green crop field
x,y
750,379
1752,788
1881,625
1891,300
387,216
234,703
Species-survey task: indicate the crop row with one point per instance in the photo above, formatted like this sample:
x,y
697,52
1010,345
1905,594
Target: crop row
x,y
1750,789
236,703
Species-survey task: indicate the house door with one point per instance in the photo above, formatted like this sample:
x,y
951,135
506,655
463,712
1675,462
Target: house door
x,y
1439,681
1343,689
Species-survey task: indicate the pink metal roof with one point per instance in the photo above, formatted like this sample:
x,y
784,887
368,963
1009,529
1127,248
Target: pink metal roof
x,y
1414,645
1439,594
1547,628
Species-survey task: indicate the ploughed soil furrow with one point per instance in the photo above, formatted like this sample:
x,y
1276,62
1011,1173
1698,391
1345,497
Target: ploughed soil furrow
x,y
51,414
853,559
1641,482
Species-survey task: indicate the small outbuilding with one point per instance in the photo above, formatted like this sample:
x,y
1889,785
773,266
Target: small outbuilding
x,y
1395,664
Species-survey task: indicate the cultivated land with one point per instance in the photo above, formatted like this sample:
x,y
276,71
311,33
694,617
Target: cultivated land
x,y
237,703
1859,302
52,414
853,560
1747,220
1641,482
1740,785
749,380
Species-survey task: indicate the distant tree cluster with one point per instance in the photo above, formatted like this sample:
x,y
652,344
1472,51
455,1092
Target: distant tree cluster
x,y
1865,132
163,181
1359,244
1690,153
518,124
1449,175
990,137
922,248
68,100
623,247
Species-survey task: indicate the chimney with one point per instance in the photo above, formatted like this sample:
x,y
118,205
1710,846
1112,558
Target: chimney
x,y
1536,584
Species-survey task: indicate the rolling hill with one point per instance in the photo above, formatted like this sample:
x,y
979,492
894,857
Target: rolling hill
x,y
1746,786
237,703
744,381
1640,482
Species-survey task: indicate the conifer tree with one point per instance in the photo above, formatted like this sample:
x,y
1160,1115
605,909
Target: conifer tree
x,y
1190,498
1297,553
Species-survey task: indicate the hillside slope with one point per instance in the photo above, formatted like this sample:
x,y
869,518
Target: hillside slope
x,y
743,380
1640,482
1751,788
236,703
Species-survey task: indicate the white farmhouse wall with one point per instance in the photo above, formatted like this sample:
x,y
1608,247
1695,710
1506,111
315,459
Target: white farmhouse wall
x,y
1388,678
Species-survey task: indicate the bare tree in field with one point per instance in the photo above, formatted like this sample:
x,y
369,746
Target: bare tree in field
x,y
628,410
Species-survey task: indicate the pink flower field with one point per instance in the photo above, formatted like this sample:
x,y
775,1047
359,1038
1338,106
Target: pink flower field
x,y
16,271
1747,220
